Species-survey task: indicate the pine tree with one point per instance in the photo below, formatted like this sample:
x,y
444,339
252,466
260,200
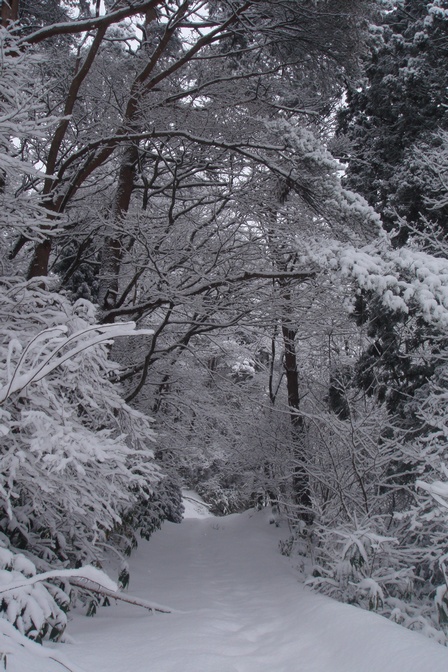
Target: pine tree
x,y
399,103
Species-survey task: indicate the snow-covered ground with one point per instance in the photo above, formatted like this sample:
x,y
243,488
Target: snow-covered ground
x,y
237,607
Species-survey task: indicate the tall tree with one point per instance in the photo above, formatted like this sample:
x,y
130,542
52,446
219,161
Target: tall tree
x,y
157,180
254,43
77,473
164,167
393,117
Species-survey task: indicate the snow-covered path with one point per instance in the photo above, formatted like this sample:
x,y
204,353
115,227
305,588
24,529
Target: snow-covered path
x,y
239,608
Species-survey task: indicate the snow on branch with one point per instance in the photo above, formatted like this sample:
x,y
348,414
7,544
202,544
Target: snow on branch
x,y
403,278
116,595
88,573
438,490
12,642
51,347
88,578
82,461
74,27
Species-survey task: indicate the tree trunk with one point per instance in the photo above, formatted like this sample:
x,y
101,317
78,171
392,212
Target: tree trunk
x,y
42,250
10,11
39,263
300,479
113,247
284,263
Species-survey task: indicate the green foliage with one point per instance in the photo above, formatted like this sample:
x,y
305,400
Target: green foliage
x,y
441,600
397,362
123,578
92,608
164,503
222,497
77,266
379,536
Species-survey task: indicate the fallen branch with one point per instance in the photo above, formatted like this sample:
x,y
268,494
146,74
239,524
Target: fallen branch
x,y
197,501
105,592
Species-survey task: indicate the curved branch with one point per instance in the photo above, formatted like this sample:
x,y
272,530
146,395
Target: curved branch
x,y
71,28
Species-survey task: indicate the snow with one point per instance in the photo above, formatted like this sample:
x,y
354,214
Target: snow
x,y
43,362
237,607
88,573
194,506
402,277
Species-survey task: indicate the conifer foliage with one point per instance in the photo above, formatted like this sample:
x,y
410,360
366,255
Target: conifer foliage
x,y
399,104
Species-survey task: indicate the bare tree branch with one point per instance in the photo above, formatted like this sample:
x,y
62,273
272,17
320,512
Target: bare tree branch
x,y
100,22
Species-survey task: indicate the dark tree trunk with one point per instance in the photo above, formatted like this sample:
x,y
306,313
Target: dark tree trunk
x,y
300,478
113,247
10,11
39,263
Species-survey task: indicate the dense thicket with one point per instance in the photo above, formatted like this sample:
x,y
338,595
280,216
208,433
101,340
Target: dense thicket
x,y
152,157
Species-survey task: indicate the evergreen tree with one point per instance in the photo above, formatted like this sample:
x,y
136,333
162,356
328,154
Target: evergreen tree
x,y
399,103
392,124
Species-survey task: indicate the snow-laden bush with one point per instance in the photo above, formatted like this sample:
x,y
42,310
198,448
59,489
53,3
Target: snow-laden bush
x,y
75,460
426,519
362,565
35,609
356,555
379,538
33,604
223,498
